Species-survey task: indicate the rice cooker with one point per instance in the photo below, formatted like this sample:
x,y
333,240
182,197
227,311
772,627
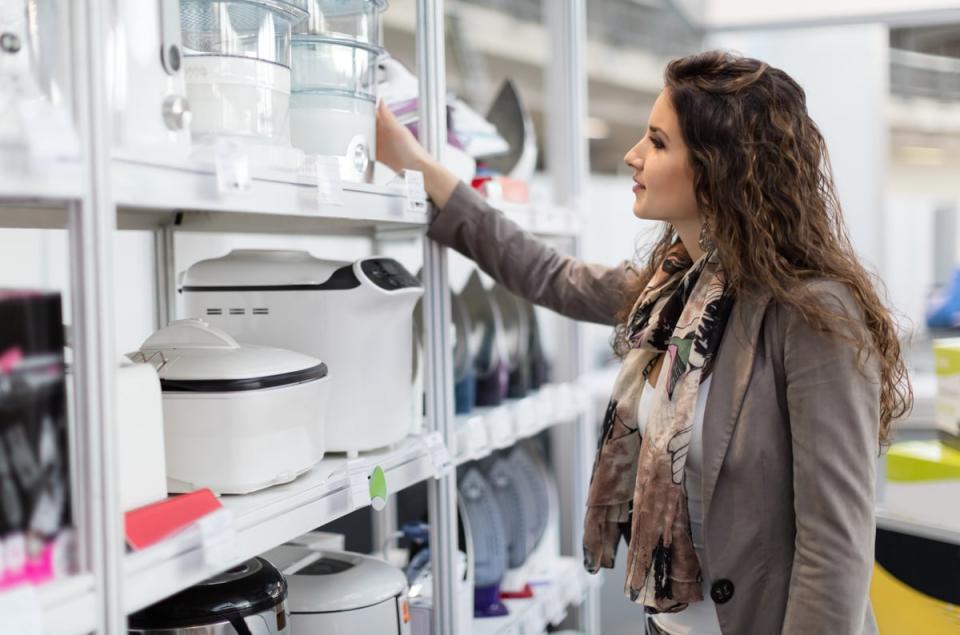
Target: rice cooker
x,y
249,599
342,592
358,317
236,418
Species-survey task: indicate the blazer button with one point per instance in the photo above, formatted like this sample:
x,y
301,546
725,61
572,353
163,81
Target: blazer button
x,y
721,591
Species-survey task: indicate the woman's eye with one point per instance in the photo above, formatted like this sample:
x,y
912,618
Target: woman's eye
x,y
656,143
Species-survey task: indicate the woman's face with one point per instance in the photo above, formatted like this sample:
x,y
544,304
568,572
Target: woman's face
x,y
662,174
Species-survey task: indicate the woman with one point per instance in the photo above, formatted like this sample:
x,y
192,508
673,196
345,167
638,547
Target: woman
x,y
761,372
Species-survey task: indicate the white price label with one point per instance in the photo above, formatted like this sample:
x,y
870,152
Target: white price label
x,y
359,476
219,538
20,611
439,454
329,181
416,194
233,167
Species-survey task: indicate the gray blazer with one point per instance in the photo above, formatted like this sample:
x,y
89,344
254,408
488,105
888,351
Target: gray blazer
x,y
790,435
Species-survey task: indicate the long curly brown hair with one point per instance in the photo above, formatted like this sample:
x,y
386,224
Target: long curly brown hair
x,y
765,190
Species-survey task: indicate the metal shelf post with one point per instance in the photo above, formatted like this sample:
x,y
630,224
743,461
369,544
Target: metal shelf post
x,y
442,492
92,224
568,164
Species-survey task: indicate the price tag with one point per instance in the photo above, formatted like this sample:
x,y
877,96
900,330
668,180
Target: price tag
x,y
219,538
416,194
439,454
359,476
329,182
233,167
20,611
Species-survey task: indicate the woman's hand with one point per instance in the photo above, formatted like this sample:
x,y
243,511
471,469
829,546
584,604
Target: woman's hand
x,y
396,145
399,150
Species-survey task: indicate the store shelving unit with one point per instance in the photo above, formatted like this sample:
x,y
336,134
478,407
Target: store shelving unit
x,y
556,587
488,429
98,195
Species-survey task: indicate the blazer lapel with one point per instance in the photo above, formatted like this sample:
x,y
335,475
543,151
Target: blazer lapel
x,y
731,375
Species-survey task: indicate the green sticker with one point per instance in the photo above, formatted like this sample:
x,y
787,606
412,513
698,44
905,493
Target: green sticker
x,y
378,488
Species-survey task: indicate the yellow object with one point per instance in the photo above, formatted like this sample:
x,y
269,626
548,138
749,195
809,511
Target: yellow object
x,y
922,461
902,610
946,358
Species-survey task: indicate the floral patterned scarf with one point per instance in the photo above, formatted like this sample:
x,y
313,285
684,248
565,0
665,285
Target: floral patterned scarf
x,y
682,313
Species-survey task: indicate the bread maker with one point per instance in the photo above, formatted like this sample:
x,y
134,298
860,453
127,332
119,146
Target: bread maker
x,y
342,592
249,599
236,418
357,317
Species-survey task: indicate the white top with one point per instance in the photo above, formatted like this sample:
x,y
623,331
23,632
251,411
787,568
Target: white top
x,y
700,618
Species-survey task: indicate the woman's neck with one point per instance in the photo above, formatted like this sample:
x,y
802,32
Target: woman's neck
x,y
689,233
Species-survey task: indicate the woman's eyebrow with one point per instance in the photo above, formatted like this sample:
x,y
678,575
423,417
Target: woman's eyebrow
x,y
659,131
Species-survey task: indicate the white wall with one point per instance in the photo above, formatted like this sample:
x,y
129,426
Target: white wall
x,y
913,194
721,13
844,71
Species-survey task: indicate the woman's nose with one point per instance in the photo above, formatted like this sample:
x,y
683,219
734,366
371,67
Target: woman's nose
x,y
633,158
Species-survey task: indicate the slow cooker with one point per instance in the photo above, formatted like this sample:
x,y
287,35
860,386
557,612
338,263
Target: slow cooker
x,y
249,599
237,418
342,592
358,317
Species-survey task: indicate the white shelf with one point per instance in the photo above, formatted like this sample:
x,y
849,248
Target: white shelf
x,y
148,195
265,519
55,181
542,220
907,524
487,429
69,606
63,607
556,585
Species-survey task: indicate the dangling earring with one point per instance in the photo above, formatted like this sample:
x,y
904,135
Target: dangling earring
x,y
705,241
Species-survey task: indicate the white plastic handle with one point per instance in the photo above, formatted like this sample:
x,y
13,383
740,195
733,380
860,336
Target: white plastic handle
x,y
190,333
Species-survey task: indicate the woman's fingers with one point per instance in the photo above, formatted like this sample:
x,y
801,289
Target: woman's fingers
x,y
396,145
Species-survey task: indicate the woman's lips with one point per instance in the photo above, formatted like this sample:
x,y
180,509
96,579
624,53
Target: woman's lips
x,y
637,187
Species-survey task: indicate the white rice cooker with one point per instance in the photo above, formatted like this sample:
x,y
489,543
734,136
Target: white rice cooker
x,y
342,592
358,317
237,418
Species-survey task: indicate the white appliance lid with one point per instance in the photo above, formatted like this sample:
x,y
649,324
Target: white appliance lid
x,y
289,270
328,581
261,268
191,355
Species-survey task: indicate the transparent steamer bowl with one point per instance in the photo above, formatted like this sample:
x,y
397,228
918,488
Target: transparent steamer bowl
x,y
237,66
357,20
333,106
